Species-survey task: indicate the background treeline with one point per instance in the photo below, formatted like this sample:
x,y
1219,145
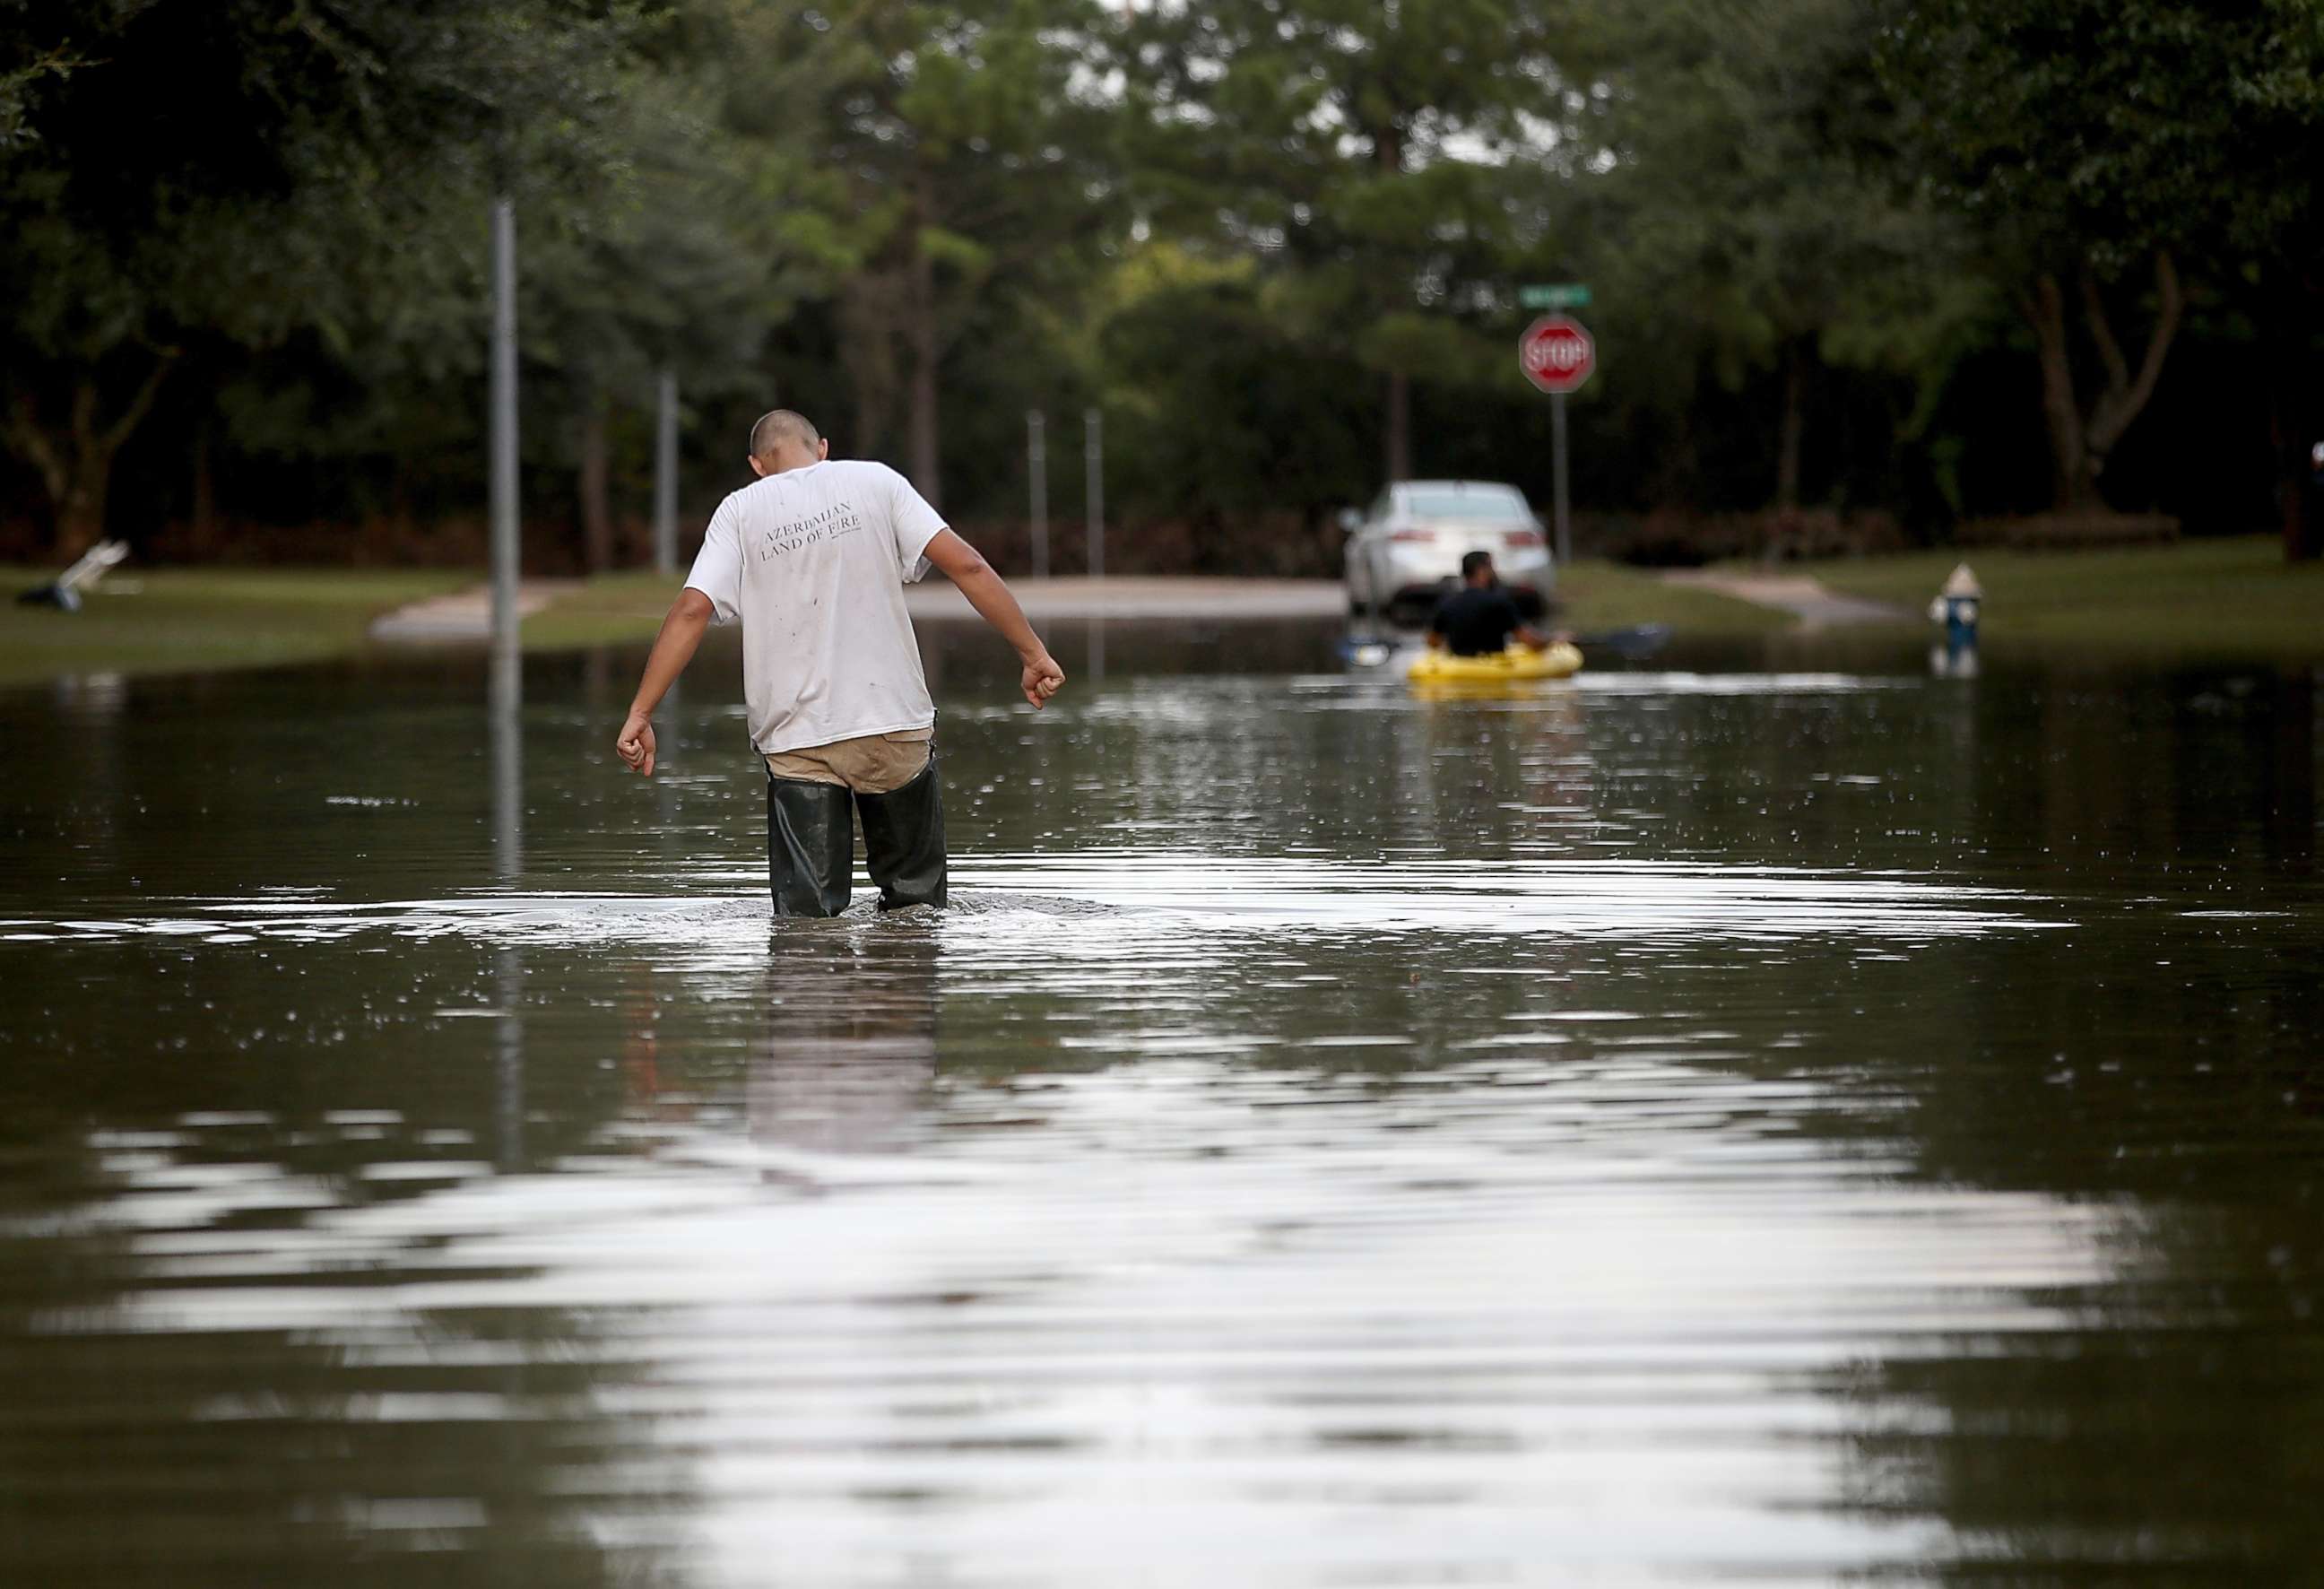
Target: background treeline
x,y
1863,269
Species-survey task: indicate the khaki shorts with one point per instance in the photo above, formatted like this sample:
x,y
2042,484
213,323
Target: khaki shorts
x,y
876,764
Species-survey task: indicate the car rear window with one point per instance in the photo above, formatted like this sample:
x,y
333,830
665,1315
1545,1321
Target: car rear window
x,y
1490,502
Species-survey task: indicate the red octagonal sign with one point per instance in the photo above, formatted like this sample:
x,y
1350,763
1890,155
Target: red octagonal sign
x,y
1556,353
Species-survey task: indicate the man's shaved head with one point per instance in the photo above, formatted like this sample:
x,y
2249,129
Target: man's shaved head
x,y
780,425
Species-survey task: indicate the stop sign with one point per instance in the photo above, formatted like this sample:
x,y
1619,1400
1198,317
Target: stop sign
x,y
1556,354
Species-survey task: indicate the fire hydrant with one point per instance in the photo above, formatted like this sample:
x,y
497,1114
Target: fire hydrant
x,y
1956,607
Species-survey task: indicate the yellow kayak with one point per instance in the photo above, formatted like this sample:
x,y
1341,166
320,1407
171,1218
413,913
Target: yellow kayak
x,y
1515,664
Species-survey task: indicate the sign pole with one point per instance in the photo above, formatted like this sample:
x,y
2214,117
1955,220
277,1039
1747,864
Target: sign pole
x,y
1558,355
666,474
1557,471
1037,473
503,431
1093,460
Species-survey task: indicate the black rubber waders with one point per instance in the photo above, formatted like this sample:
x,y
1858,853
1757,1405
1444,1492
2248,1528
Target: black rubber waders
x,y
810,847
904,841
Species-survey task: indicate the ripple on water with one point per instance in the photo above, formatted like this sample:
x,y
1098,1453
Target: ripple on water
x,y
1177,1317
1123,895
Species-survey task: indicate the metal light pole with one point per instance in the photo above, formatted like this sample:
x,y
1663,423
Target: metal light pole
x,y
503,431
665,527
1093,465
1037,475
1561,518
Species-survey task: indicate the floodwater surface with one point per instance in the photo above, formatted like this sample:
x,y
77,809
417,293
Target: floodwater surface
x,y
1727,1120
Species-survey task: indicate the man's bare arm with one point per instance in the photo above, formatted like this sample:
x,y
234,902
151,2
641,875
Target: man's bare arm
x,y
966,567
673,647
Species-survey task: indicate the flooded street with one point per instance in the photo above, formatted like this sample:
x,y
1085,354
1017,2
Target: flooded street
x,y
1763,1116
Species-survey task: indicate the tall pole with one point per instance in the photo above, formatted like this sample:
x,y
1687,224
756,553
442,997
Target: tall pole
x,y
1036,474
1093,463
1562,517
666,474
504,430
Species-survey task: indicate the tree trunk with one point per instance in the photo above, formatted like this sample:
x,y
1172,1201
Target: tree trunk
x,y
2287,313
1388,149
2297,485
1795,424
596,504
2126,394
926,353
1400,426
2080,441
80,513
2070,481
202,530
76,466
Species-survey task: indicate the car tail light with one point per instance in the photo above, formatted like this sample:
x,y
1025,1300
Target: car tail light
x,y
1522,537
1413,535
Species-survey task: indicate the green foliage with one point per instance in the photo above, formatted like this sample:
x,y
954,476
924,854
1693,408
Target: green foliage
x,y
1749,224
1260,235
2087,143
1365,151
2108,129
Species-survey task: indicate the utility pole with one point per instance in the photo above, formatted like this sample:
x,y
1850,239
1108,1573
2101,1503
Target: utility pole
x,y
1036,474
505,569
665,523
1093,465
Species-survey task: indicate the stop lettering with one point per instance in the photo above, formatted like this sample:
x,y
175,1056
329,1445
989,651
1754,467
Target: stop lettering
x,y
1556,353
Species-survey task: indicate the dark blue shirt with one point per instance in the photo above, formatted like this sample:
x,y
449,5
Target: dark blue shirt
x,y
1476,621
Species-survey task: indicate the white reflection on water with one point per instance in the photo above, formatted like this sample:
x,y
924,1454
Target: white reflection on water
x,y
1110,896
1202,1317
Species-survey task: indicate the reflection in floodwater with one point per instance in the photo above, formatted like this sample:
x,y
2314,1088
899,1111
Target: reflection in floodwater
x,y
1789,1126
506,709
849,1060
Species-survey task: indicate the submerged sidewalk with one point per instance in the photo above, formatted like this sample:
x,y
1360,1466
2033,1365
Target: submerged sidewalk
x,y
1804,598
465,615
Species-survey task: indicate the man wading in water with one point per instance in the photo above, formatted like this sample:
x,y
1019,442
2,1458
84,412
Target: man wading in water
x,y
814,559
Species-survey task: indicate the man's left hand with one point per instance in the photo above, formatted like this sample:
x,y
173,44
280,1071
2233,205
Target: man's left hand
x,y
1042,678
636,744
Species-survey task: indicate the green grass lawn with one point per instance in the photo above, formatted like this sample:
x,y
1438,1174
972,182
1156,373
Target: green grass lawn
x,y
2204,598
1600,595
175,620
611,609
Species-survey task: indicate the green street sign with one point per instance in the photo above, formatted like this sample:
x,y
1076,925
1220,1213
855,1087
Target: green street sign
x,y
1556,295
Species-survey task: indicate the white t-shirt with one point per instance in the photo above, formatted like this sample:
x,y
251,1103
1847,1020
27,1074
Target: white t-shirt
x,y
814,561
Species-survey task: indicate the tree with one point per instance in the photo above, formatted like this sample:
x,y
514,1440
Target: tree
x,y
271,184
679,261
1221,414
1365,146
2099,146
1748,210
956,153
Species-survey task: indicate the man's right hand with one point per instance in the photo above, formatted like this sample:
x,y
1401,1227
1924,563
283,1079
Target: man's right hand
x,y
1042,677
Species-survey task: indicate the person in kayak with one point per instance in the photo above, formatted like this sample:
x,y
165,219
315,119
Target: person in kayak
x,y
1477,619
813,559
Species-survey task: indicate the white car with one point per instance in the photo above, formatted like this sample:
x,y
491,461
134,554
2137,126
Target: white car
x,y
1405,554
